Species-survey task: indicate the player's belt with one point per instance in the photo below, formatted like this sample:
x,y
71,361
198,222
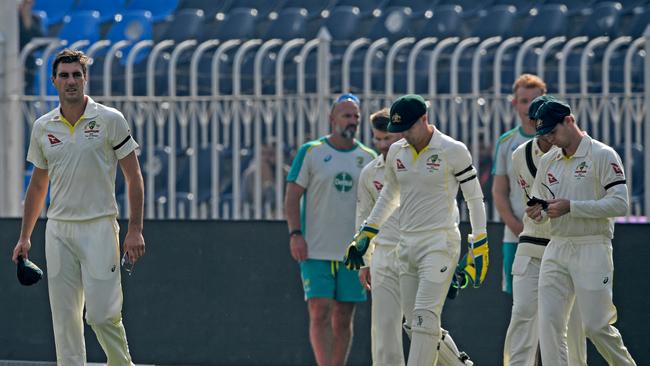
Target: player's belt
x,y
533,240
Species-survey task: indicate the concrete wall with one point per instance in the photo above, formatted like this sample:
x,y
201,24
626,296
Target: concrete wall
x,y
228,293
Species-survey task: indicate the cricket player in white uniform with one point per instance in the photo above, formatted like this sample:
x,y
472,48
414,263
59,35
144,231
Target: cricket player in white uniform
x,y
381,273
422,175
505,192
77,147
522,338
584,185
324,175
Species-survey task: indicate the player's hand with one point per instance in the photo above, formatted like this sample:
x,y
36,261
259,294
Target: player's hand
x,y
134,245
475,262
364,278
558,207
535,212
298,248
21,249
359,246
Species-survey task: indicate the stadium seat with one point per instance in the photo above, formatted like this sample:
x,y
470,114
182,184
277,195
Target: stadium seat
x,y
445,21
264,8
81,25
575,7
343,23
45,21
185,24
106,9
603,21
418,7
55,9
640,20
238,23
497,20
210,8
549,20
367,7
132,25
393,23
160,9
315,8
290,23
470,7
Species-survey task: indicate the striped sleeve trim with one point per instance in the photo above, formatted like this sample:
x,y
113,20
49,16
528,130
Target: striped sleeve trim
x,y
467,179
469,168
122,143
612,184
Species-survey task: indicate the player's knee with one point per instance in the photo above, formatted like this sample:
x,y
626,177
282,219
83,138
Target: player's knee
x,y
426,322
596,329
320,313
95,318
524,310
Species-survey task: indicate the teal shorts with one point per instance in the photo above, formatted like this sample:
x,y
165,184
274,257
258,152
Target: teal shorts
x,y
509,249
331,280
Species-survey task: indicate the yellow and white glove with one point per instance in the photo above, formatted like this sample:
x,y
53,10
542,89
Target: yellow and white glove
x,y
475,263
359,246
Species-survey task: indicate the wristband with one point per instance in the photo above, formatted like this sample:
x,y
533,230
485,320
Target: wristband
x,y
295,232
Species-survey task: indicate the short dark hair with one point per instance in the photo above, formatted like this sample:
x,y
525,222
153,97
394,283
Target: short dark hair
x,y
68,56
380,120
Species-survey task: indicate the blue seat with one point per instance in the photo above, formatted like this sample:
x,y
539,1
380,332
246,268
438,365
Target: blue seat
x,y
367,7
315,8
640,20
263,8
44,20
446,21
132,25
343,23
81,25
106,9
549,20
160,9
55,9
291,23
418,7
470,7
497,20
393,23
210,8
185,24
603,21
575,7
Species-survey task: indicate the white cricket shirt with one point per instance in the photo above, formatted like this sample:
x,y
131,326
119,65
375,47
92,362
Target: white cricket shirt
x,y
371,182
81,160
425,185
329,176
593,180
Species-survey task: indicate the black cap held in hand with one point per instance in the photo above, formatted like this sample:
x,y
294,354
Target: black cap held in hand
x,y
28,273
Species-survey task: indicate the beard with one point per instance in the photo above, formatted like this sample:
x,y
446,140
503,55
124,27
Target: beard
x,y
347,132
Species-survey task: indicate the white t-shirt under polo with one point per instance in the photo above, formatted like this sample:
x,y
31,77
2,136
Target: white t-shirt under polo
x,y
81,160
425,185
329,176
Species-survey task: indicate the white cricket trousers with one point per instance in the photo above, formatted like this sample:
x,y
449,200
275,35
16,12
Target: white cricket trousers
x,y
580,269
427,262
386,310
83,267
522,338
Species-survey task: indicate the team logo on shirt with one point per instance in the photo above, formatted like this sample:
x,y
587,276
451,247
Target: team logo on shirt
x,y
551,179
53,139
581,170
91,130
522,182
378,185
327,158
400,166
343,182
360,161
617,169
433,163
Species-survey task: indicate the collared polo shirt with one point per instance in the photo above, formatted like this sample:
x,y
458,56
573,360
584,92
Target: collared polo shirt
x,y
424,185
592,179
81,160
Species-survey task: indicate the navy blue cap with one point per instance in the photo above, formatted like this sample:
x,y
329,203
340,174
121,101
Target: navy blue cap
x,y
550,114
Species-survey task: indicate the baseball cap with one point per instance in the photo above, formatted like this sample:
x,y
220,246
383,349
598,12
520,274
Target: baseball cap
x,y
536,103
550,114
405,111
27,272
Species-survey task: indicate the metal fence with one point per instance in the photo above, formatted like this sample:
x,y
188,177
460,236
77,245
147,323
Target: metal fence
x,y
207,153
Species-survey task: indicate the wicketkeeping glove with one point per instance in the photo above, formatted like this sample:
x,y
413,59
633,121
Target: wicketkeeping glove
x,y
475,262
359,246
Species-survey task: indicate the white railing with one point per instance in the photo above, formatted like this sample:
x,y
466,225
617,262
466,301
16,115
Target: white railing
x,y
199,149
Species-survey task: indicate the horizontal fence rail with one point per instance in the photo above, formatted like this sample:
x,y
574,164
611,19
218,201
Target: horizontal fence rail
x,y
219,122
